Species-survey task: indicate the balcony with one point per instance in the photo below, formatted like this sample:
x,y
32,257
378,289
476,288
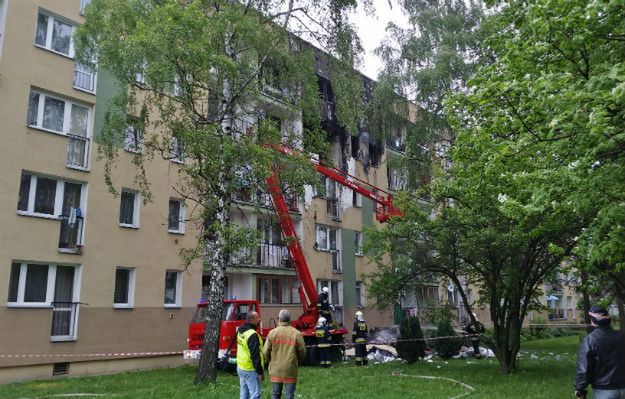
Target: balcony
x,y
64,321
396,143
70,235
77,151
84,78
264,199
265,255
557,314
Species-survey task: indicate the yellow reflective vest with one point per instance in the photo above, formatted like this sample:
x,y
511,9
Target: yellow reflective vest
x,y
244,357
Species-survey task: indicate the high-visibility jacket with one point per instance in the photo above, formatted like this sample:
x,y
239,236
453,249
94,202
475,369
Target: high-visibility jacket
x,y
359,334
249,354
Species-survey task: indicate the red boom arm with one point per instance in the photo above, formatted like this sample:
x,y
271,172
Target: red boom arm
x,y
308,293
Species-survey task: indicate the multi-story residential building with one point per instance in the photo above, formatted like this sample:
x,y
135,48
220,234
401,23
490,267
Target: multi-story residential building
x,y
93,282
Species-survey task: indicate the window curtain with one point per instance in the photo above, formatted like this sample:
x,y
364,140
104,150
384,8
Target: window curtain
x,y
53,114
36,283
45,196
126,210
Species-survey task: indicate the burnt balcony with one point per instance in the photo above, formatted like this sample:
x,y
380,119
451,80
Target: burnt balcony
x,y
263,199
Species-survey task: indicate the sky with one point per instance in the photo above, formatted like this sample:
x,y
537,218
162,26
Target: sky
x,y
371,30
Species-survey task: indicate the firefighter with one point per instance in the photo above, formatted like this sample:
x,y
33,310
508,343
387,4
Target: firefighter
x,y
323,305
324,339
359,338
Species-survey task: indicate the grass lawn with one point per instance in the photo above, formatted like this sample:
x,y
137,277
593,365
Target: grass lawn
x,y
546,370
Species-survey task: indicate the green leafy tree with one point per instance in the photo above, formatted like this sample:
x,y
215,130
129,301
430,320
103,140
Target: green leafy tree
x,y
446,347
193,76
411,346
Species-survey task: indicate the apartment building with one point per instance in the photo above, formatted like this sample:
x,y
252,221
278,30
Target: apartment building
x,y
93,282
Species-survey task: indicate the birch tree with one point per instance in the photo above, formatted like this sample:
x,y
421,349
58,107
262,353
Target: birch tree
x,y
193,74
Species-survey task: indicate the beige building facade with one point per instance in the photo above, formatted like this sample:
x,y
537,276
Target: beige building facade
x,y
92,282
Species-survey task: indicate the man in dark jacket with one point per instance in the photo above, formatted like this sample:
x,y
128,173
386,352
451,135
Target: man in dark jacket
x,y
359,338
475,329
324,341
250,362
601,360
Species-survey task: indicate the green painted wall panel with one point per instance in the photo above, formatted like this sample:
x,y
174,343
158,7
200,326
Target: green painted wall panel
x,y
348,260
107,88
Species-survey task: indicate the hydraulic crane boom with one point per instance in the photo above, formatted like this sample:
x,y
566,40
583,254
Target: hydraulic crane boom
x,y
308,293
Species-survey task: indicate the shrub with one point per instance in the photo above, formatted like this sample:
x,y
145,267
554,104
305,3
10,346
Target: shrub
x,y
414,348
448,347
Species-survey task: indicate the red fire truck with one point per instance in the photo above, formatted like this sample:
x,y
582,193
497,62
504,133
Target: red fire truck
x,y
235,311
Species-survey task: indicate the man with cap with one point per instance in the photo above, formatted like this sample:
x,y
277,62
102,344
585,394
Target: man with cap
x,y
601,360
323,305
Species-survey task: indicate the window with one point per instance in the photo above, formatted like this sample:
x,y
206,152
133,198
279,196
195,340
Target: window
x,y
335,296
356,200
83,5
133,138
357,243
177,150
3,14
123,296
427,296
129,209
321,191
360,294
173,288
45,196
84,77
176,216
54,34
277,289
327,240
35,284
57,115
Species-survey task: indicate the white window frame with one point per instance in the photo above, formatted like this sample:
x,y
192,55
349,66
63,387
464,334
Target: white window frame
x,y
83,5
358,198
58,198
358,243
136,144
177,150
326,245
93,77
48,44
136,209
131,288
3,16
360,296
20,303
181,216
178,303
327,283
67,113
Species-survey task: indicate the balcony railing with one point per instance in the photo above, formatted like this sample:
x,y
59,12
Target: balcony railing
x,y
396,143
64,319
77,151
265,255
264,199
84,78
557,314
70,236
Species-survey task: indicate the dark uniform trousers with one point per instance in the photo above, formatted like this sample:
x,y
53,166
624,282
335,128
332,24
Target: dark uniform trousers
x,y
324,339
359,337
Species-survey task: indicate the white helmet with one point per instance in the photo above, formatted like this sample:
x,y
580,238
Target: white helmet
x,y
325,290
359,315
321,322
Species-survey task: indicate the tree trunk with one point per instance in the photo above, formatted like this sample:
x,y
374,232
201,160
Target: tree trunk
x,y
507,345
585,296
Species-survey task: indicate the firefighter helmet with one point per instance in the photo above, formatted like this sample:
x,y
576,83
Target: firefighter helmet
x,y
321,322
359,315
325,290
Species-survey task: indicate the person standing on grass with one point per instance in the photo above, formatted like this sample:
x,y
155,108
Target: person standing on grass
x,y
250,362
475,329
324,341
284,351
601,359
359,338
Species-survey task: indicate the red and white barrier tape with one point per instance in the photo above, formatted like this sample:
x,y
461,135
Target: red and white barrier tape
x,y
120,354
